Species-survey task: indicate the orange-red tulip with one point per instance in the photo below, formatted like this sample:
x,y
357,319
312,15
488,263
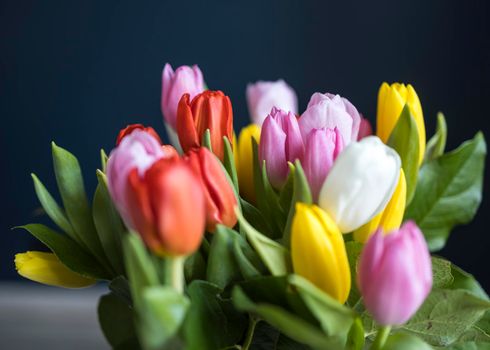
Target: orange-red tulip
x,y
209,110
132,127
218,192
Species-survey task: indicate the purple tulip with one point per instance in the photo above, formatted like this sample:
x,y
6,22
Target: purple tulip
x,y
331,111
263,95
280,142
395,274
365,128
322,147
137,150
184,80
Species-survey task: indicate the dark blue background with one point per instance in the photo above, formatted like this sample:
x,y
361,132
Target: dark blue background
x,y
76,72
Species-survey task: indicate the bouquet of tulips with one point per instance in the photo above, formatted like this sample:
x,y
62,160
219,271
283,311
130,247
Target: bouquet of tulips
x,y
305,232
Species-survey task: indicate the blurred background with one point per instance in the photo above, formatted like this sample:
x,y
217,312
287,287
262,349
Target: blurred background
x,y
78,71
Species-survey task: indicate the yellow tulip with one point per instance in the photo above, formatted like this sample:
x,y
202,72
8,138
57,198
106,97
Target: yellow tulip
x,y
391,100
46,268
244,161
390,218
318,251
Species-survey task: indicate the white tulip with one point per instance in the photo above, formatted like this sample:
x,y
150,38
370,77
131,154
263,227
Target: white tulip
x,y
360,183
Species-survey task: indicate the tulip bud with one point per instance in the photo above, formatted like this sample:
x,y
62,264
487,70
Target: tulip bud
x,y
185,80
391,100
263,95
365,129
318,251
322,148
244,161
395,274
219,195
46,268
137,150
130,128
331,111
391,217
280,143
166,206
208,110
360,183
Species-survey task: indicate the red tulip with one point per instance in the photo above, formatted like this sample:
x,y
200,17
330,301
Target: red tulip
x,y
166,207
218,192
130,128
208,110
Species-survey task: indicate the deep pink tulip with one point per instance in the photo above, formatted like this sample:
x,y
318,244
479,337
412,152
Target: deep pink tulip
x,y
138,150
322,147
263,95
395,274
280,142
365,128
331,111
185,80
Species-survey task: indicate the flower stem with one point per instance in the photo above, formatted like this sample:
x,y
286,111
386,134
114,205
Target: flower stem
x,y
252,322
381,337
174,272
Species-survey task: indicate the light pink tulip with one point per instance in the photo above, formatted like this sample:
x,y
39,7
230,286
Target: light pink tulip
x,y
365,128
322,147
263,95
331,111
280,142
395,274
185,80
137,150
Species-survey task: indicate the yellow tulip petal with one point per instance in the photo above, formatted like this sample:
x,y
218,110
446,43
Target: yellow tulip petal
x,y
363,233
244,161
47,269
416,109
389,111
318,251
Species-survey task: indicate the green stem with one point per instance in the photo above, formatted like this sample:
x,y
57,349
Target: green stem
x,y
252,322
381,337
174,272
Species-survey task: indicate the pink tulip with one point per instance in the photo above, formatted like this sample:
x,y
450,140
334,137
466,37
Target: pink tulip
x,y
322,147
331,111
365,128
395,274
185,80
138,150
280,142
263,95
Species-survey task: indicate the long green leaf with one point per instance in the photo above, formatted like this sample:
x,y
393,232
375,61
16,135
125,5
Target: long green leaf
x,y
437,143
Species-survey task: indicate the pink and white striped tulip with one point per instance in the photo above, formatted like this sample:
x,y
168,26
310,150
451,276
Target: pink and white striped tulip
x,y
280,142
395,274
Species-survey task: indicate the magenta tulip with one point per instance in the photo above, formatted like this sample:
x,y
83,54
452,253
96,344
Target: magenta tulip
x,y
137,150
395,274
280,142
185,80
322,147
263,95
331,111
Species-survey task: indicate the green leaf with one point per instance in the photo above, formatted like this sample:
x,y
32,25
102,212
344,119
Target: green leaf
x,y
120,287
247,260
195,267
449,191
468,346
222,268
286,194
273,255
355,338
110,228
206,140
405,140
466,281
255,217
437,143
335,318
288,323
229,163
403,341
441,272
160,316
212,322
116,320
54,211
301,193
103,160
139,267
353,250
72,191
69,252
446,315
